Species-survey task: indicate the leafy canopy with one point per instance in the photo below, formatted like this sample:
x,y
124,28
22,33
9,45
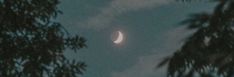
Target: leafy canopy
x,y
32,43
209,52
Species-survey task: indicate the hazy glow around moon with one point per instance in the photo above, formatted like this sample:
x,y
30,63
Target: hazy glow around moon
x,y
119,38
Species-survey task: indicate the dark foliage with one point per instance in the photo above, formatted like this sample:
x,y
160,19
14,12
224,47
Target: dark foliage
x,y
32,43
209,52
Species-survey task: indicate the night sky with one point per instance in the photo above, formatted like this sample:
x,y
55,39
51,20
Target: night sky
x,y
151,32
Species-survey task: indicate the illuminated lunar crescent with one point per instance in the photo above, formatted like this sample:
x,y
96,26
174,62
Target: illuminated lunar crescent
x,y
120,38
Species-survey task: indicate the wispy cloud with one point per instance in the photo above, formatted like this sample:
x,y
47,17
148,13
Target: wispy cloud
x,y
118,7
145,67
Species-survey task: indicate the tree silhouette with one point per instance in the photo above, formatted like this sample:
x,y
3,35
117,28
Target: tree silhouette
x,y
32,43
209,52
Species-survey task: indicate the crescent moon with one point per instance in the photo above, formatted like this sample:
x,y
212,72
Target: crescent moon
x,y
120,38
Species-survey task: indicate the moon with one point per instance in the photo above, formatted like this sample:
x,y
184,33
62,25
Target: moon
x,y
119,38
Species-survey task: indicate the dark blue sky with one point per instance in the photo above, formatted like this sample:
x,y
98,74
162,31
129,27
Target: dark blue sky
x,y
150,27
